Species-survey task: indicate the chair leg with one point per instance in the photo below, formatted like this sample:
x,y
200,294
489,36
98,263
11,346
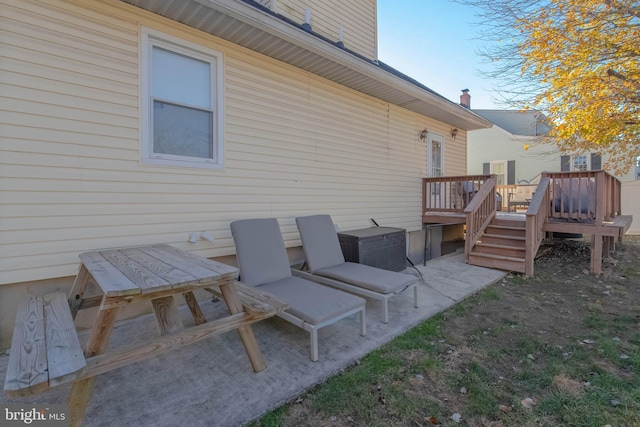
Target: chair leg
x,y
314,344
385,311
363,322
415,296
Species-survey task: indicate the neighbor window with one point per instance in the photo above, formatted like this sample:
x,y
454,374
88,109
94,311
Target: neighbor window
x,y
181,102
499,169
580,163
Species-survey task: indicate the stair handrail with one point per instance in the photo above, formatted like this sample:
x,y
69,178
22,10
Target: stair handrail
x,y
479,212
537,214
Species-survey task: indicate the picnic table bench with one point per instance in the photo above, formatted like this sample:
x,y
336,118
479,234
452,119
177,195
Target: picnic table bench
x,y
45,349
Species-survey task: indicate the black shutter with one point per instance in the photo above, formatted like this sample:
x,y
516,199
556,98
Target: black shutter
x,y
596,162
486,168
565,163
511,172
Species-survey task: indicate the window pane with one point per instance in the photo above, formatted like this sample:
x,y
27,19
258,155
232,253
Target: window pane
x,y
436,158
182,131
180,79
498,169
580,163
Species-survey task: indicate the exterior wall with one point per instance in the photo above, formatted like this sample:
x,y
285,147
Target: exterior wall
x,y
486,145
494,144
631,204
455,152
357,18
72,181
266,3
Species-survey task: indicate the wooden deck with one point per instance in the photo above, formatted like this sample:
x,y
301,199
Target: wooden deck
x,y
585,203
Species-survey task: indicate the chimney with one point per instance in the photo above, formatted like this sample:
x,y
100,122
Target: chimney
x,y
465,99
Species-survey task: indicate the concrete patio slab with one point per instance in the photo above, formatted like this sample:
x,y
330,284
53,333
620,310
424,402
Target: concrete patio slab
x,y
211,383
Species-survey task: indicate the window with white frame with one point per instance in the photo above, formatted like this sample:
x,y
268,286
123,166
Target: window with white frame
x,y
580,163
499,169
181,85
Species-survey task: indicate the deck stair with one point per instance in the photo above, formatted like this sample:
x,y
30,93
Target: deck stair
x,y
502,245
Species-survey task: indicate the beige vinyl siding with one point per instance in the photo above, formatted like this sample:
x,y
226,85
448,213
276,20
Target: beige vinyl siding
x,y
70,173
358,19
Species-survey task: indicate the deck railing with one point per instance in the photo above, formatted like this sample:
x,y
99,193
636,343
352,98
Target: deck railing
x,y
480,211
450,193
591,197
537,214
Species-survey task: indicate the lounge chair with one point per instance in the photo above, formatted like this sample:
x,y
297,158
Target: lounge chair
x,y
263,263
327,265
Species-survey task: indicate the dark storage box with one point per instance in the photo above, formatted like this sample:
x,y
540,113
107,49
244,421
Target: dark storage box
x,y
382,247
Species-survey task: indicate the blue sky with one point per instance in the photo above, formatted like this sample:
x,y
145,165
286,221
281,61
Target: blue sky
x,y
433,42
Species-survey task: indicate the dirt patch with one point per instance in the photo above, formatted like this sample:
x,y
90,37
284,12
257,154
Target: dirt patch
x,y
569,385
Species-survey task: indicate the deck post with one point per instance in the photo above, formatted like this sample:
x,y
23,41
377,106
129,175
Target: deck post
x,y
596,254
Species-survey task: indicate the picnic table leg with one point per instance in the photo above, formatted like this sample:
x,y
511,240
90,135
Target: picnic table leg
x,y
194,307
246,334
77,290
166,314
81,390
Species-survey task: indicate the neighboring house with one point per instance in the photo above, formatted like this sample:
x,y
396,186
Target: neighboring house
x,y
517,151
141,121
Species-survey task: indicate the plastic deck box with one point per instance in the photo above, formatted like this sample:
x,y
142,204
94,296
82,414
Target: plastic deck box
x,y
382,247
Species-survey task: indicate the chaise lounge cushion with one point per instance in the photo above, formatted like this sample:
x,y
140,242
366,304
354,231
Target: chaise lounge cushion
x,y
364,276
320,242
263,263
264,256
311,302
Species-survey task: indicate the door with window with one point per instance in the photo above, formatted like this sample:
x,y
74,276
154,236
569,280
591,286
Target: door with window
x,y
435,167
435,155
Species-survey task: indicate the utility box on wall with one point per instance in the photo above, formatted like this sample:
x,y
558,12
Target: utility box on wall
x,y
382,247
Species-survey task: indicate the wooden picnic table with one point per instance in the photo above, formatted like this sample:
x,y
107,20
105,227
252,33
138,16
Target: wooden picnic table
x,y
153,273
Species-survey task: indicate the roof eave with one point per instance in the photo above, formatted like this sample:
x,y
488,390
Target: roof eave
x,y
259,30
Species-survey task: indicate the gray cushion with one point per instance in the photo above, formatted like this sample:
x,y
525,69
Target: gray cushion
x,y
310,301
319,242
372,278
262,256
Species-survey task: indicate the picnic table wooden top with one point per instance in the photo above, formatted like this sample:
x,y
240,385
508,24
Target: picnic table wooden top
x,y
150,269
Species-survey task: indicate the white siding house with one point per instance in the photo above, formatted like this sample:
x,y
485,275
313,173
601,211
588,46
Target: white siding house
x,y
516,149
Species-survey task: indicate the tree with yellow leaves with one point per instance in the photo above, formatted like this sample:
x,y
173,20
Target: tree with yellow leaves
x,y
576,60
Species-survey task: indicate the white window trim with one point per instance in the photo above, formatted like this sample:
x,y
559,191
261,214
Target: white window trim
x,y
430,138
500,162
572,164
151,38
